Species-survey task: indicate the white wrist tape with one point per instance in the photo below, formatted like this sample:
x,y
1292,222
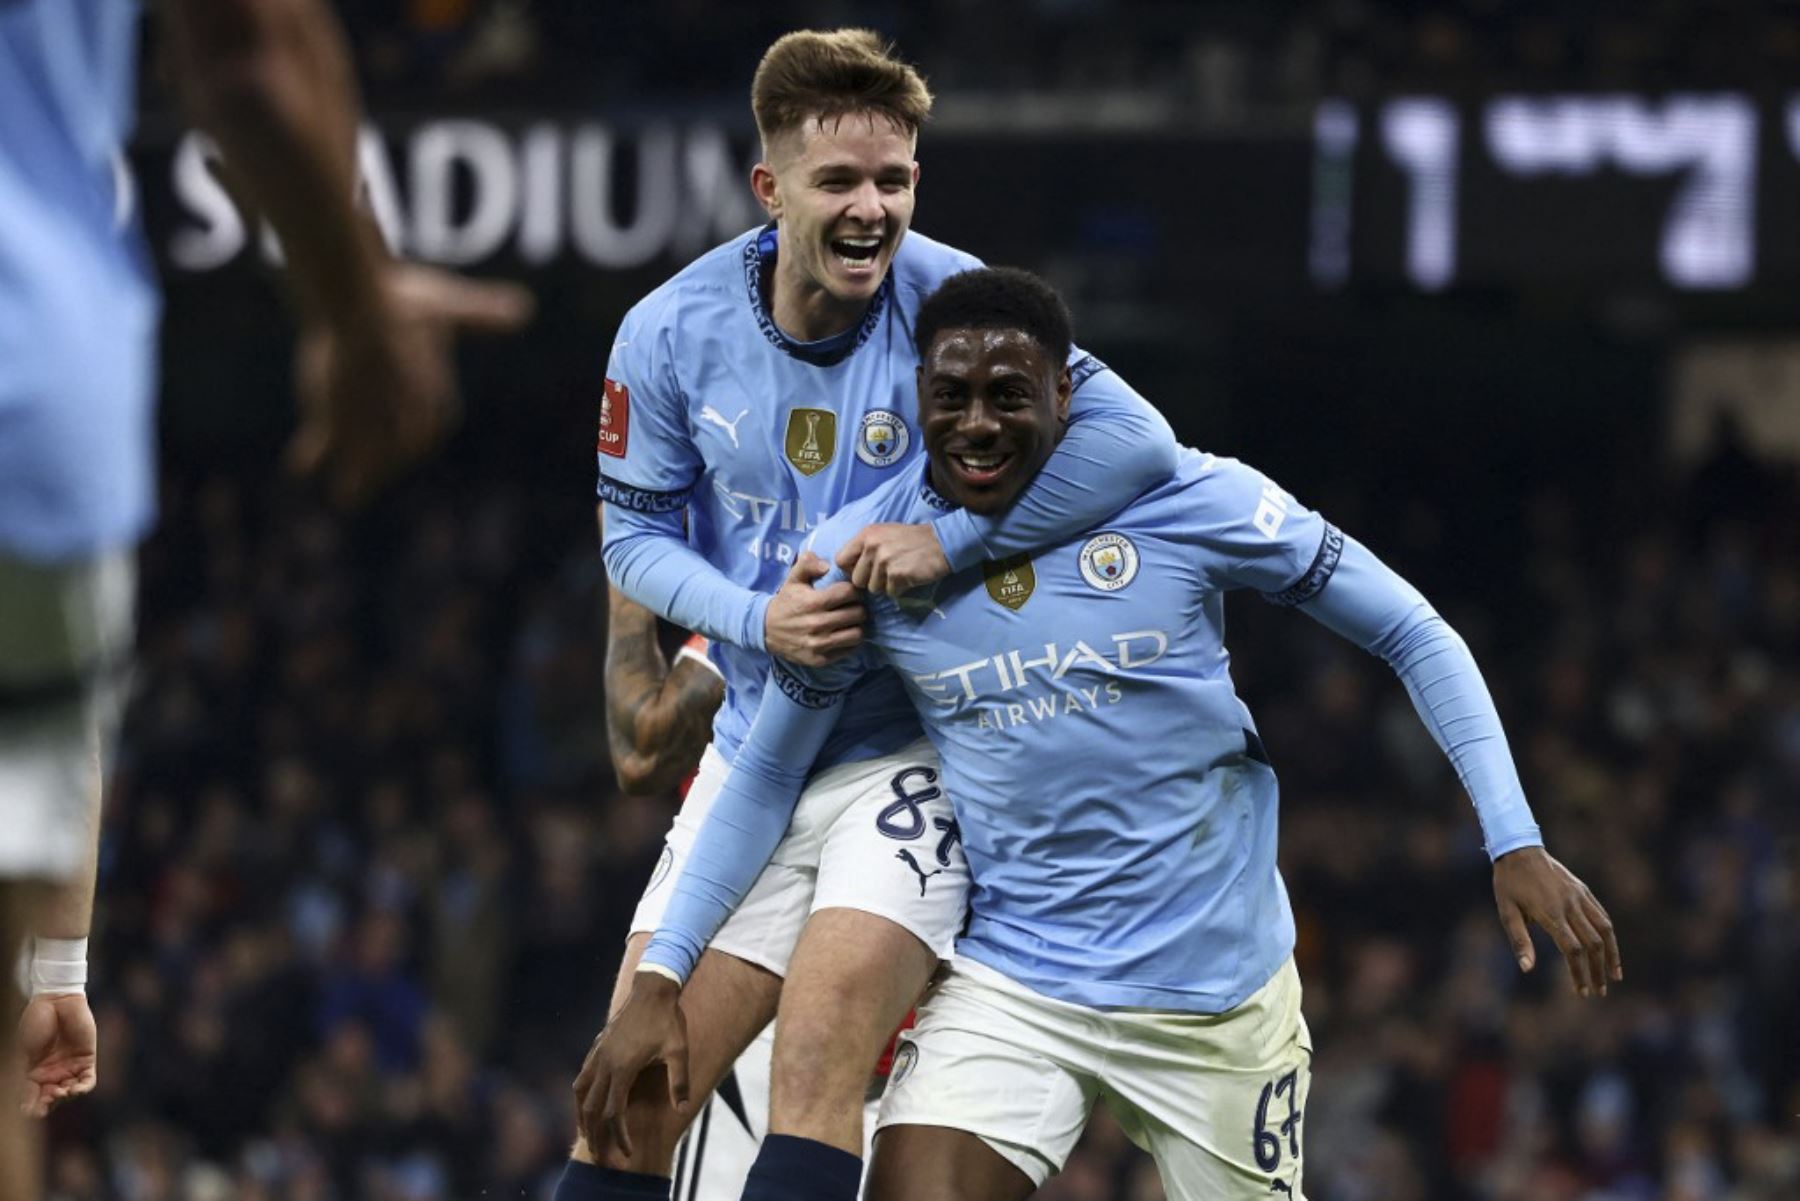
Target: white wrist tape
x,y
667,973
698,656
58,966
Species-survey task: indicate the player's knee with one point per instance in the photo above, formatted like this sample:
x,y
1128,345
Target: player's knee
x,y
830,1034
805,1074
655,1129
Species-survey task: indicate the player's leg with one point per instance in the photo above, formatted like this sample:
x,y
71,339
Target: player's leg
x,y
937,1163
892,892
727,1003
853,978
1220,1100
989,1093
730,998
714,1156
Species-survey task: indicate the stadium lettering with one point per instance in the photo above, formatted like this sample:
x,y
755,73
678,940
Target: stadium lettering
x,y
475,188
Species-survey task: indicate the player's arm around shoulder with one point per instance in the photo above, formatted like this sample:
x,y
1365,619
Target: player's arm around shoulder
x,y
882,544
1116,447
819,609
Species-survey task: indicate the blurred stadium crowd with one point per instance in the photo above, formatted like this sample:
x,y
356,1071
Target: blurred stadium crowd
x,y
366,873
1224,60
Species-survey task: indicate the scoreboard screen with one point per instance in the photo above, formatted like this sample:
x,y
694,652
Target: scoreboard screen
x,y
1695,191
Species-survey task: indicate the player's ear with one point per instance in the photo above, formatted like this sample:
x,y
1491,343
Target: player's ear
x,y
763,184
1065,388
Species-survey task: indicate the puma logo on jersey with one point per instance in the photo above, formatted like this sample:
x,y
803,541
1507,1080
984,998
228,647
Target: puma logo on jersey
x,y
914,605
1280,1186
708,413
906,857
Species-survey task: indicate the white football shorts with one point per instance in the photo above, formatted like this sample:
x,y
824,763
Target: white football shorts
x,y
65,638
876,836
1217,1100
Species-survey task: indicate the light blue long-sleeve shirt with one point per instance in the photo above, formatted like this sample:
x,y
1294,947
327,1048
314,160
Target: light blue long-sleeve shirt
x,y
1114,800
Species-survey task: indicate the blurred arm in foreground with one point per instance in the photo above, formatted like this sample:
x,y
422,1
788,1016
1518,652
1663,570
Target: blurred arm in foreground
x,y
271,82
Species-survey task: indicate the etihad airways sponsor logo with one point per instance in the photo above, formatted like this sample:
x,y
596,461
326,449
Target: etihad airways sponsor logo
x,y
1010,671
786,516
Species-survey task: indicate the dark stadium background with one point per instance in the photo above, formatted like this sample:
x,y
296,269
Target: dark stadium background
x,y
366,873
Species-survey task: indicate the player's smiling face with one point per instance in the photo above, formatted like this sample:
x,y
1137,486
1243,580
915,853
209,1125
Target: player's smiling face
x,y
992,405
841,193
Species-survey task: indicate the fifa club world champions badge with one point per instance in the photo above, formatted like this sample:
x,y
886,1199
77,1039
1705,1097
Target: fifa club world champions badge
x,y
811,439
1010,581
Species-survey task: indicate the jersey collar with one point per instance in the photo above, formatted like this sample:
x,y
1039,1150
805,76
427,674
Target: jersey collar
x,y
927,493
759,253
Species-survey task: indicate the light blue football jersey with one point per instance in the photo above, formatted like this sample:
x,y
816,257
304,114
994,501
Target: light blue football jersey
x,y
78,305
1114,799
711,413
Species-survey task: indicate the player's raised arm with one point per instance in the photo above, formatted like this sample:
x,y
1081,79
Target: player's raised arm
x,y
658,714
1261,537
271,81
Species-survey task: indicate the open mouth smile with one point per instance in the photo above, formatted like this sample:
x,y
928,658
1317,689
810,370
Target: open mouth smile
x,y
980,469
857,254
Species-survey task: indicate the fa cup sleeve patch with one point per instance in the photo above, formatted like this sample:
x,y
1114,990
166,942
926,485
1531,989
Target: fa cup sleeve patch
x,y
615,419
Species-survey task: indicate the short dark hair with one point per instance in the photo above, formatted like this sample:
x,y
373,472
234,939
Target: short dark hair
x,y
997,298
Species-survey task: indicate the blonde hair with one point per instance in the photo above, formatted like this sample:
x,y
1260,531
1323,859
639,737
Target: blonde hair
x,y
826,76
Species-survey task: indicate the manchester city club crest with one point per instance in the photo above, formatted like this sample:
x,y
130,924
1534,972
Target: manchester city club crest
x,y
1010,581
663,864
1108,562
906,1058
811,439
884,438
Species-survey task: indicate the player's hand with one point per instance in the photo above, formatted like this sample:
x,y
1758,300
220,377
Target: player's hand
x,y
60,1045
1531,886
813,626
649,1029
377,390
892,558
